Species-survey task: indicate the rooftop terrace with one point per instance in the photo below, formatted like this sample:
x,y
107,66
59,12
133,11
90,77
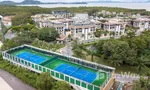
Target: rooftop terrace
x,y
73,70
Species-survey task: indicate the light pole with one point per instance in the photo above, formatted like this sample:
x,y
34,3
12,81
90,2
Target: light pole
x,y
1,28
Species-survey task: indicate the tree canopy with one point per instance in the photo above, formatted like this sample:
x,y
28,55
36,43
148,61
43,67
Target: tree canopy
x,y
61,85
44,81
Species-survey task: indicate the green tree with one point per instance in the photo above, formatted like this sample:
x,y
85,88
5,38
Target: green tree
x,y
9,44
141,63
91,51
115,62
44,81
131,34
99,32
69,36
48,34
78,53
115,49
92,12
141,84
75,44
61,85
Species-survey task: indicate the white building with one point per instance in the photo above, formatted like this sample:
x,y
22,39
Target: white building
x,y
40,17
83,30
6,20
114,27
141,23
81,17
59,26
61,14
82,27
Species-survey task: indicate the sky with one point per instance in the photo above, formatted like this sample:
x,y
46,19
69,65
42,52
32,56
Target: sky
x,y
73,0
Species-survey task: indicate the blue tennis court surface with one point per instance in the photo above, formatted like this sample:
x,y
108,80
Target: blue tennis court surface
x,y
32,57
77,72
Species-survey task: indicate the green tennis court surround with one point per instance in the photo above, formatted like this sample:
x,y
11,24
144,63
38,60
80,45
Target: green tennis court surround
x,y
76,71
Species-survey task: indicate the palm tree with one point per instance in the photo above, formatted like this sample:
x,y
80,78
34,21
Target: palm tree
x,y
141,63
78,53
141,84
75,44
69,37
91,51
115,62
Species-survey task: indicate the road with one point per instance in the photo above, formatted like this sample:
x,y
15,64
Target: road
x,y
10,35
13,82
67,50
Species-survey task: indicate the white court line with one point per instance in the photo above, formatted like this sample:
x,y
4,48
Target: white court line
x,y
85,75
58,66
95,78
75,70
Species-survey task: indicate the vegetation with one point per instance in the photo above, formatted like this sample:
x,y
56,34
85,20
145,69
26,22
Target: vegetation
x,y
44,82
142,83
53,46
61,85
22,13
39,81
23,28
130,50
100,32
23,74
46,34
28,34
127,51
77,51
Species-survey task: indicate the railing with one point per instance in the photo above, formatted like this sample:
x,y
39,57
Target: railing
x,y
38,68
120,86
53,72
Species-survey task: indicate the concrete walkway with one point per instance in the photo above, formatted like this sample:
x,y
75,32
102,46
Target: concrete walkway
x,y
67,50
4,85
15,83
10,35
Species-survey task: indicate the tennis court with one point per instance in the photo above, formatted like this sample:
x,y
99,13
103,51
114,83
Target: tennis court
x,y
77,71
31,56
54,62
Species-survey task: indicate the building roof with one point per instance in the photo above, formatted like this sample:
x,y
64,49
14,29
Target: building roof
x,y
60,12
96,21
65,20
61,37
10,35
114,21
142,20
83,23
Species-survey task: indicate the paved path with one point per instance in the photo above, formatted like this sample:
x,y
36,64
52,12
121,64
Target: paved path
x,y
9,35
15,83
67,50
4,85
